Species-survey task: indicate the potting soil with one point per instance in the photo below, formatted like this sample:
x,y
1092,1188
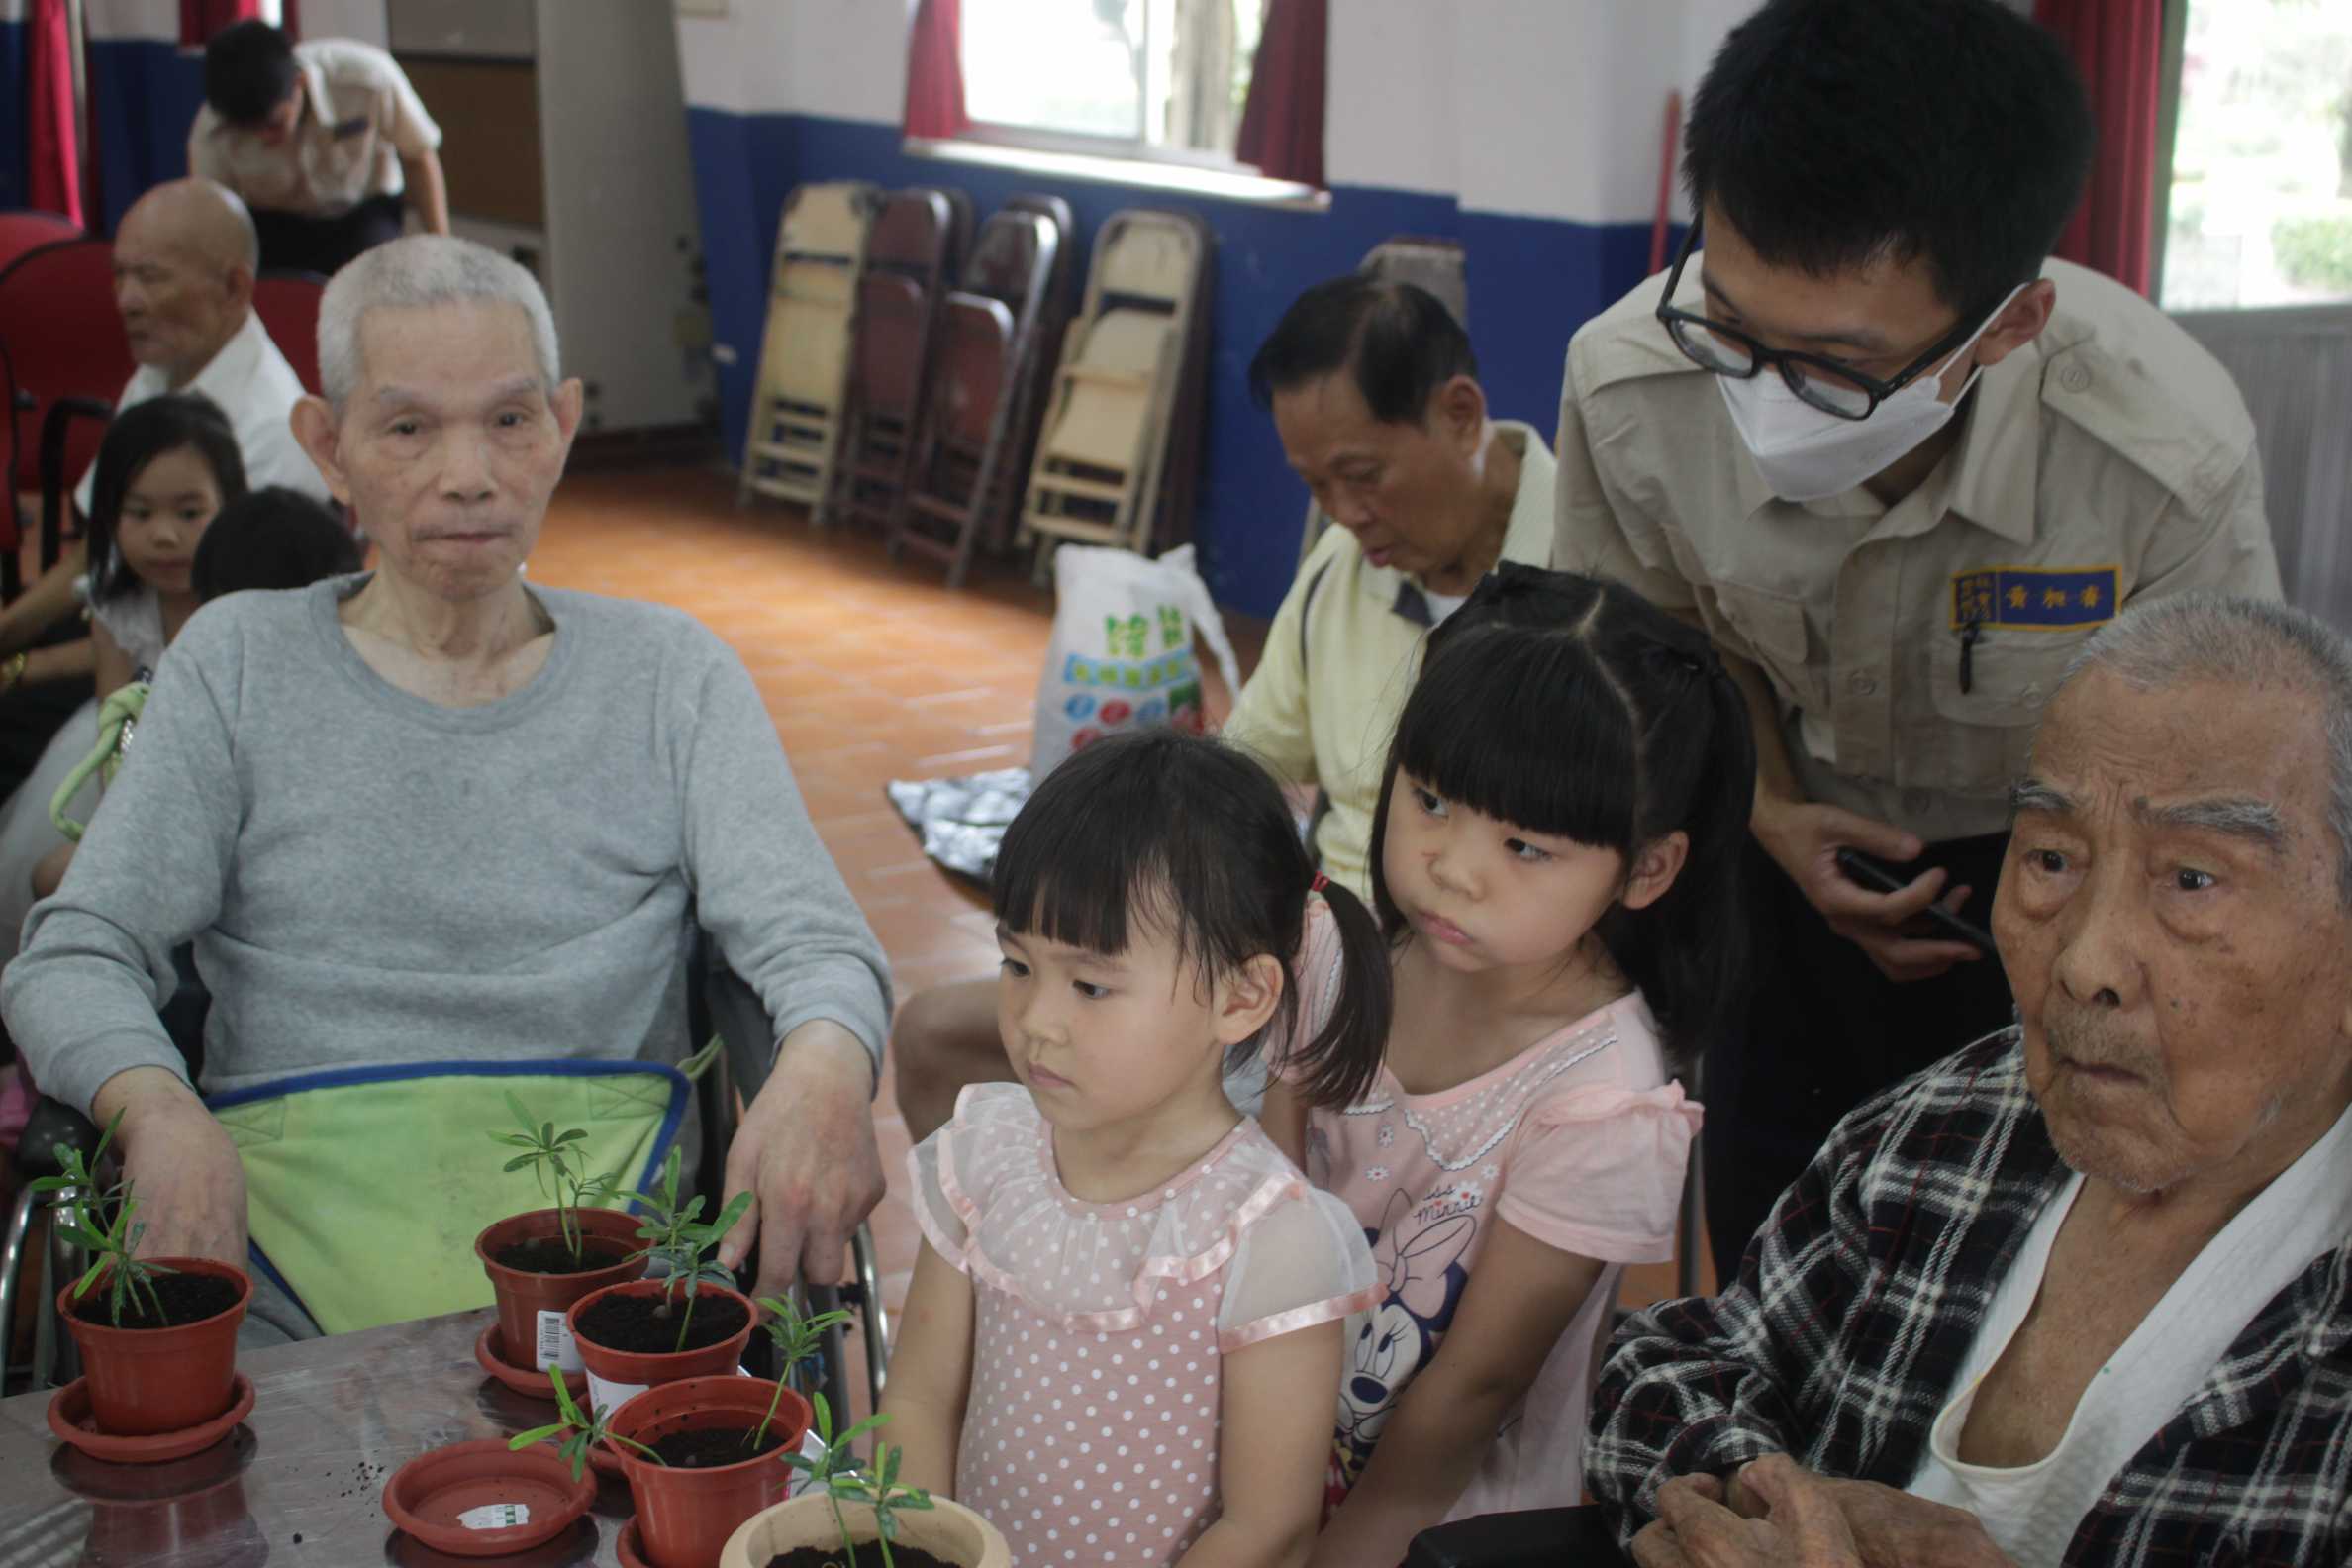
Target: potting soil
x,y
186,1298
870,1557
648,1324
714,1446
553,1257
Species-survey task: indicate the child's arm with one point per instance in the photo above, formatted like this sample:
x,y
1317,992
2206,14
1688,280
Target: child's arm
x,y
1284,1117
1273,1450
931,1370
113,664
1520,1300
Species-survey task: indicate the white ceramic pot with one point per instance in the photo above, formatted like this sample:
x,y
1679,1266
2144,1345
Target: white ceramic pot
x,y
946,1529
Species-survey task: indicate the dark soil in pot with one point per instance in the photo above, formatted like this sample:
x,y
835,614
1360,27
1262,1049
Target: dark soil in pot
x,y
712,1446
553,1257
187,1298
868,1557
648,1324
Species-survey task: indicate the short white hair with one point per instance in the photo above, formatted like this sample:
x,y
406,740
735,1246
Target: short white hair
x,y
414,272
2209,636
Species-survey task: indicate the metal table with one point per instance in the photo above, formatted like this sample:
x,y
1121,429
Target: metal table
x,y
299,1482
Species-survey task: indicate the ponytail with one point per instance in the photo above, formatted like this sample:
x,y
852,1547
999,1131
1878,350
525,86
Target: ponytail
x,y
1338,1067
1688,950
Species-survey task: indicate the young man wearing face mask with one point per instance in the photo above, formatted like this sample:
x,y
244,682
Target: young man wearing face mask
x,y
1899,465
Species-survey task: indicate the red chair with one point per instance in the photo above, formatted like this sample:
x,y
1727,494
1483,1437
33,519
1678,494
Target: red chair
x,y
288,305
68,362
897,308
29,230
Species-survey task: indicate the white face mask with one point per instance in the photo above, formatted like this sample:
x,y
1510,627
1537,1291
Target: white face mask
x,y
1806,453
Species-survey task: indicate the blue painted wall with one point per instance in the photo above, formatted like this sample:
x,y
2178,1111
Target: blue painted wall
x,y
1532,282
12,121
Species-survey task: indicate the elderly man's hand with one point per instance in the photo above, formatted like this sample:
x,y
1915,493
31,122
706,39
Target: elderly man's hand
x,y
191,1183
1893,1529
1800,1526
806,1154
1803,840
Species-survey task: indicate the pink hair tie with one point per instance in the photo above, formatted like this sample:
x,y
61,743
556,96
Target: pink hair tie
x,y
1320,883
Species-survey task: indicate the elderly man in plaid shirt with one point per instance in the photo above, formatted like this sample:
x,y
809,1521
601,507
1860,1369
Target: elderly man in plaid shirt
x,y
2082,1292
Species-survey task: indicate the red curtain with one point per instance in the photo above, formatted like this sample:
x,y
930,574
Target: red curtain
x,y
290,21
201,19
1282,119
52,152
934,71
2118,46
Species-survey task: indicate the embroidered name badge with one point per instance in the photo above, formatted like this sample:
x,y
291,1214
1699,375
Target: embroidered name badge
x,y
2027,596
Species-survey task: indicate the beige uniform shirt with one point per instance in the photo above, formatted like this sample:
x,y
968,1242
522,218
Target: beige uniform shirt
x,y
1340,657
2109,461
359,119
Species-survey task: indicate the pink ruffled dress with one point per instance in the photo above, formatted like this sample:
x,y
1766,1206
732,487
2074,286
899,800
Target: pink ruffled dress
x,y
1090,1433
1579,1140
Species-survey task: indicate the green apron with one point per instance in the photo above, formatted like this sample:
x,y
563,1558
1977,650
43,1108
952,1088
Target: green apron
x,y
367,1186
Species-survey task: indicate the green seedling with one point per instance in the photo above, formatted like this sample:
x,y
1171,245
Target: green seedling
x,y
833,1466
676,1235
83,1219
581,1432
879,1489
558,1162
798,1345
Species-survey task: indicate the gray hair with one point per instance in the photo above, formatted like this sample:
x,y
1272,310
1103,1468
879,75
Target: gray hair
x,y
416,271
2212,637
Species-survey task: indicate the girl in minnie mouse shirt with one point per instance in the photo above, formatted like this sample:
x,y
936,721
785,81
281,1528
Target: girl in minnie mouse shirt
x,y
1555,844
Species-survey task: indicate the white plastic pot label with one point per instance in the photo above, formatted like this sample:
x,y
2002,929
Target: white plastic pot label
x,y
603,1396
495,1515
557,1347
811,1450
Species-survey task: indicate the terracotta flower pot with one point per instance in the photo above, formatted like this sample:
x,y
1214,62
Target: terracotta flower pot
x,y
531,1306
947,1531
684,1516
616,1376
145,1381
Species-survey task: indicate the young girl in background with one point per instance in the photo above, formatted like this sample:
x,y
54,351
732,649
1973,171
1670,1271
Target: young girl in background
x,y
1125,1326
1552,861
165,467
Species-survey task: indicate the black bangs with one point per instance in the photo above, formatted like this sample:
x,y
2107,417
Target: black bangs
x,y
1475,732
1072,866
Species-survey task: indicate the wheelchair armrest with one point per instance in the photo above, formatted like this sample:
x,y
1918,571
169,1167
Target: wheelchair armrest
x,y
740,1021
1538,1538
52,1122
62,413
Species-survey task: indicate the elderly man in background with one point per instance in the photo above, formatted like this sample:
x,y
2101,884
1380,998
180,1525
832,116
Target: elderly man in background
x,y
325,140
184,261
432,817
2082,1292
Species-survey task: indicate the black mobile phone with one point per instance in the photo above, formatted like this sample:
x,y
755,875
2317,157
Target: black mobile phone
x,y
1861,869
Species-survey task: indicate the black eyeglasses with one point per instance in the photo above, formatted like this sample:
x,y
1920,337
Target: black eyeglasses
x,y
1829,385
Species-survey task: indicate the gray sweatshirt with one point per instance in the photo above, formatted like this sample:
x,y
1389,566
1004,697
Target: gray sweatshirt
x,y
371,878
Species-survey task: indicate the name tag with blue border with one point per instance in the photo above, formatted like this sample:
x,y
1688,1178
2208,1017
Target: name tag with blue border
x,y
2034,597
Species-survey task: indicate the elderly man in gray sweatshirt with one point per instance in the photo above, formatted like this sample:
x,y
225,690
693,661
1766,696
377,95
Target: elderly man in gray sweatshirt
x,y
430,814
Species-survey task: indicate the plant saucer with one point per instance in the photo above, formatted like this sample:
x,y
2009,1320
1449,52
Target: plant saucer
x,y
480,1498
631,1550
490,1357
71,1418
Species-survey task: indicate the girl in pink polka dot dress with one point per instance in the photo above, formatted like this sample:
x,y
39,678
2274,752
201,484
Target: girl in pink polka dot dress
x,y
1126,1322
1565,808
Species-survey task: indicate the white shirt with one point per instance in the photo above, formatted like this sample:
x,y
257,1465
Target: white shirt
x,y
2032,1511
256,387
359,119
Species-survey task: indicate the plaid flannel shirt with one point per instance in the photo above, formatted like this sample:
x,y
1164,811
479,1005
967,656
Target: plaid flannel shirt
x,y
1859,1299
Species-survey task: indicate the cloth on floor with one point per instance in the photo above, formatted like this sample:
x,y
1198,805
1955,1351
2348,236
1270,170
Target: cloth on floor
x,y
961,820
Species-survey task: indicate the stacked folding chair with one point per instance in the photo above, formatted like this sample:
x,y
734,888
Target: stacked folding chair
x,y
966,474
898,310
799,402
1431,263
1131,376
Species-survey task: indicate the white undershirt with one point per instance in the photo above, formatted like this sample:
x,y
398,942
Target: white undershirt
x,y
1442,605
2032,1511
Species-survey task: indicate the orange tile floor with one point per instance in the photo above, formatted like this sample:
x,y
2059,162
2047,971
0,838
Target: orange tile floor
x,y
873,671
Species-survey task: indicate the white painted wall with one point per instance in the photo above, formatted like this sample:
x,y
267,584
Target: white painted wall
x,y
346,19
159,20
1539,108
